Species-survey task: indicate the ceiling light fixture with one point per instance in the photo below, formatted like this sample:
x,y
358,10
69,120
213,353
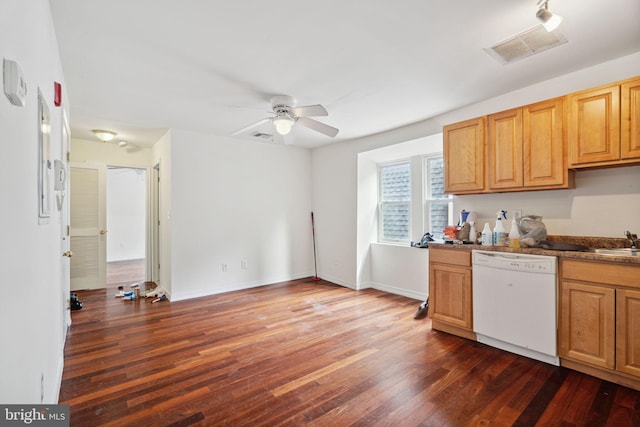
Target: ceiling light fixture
x,y
549,19
104,135
283,123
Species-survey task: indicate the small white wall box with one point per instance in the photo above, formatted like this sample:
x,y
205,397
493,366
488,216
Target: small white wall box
x,y
15,87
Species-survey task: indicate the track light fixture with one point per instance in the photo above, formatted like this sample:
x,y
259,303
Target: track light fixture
x,y
549,19
104,135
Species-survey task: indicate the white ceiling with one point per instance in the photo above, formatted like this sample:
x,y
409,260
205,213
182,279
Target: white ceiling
x,y
141,67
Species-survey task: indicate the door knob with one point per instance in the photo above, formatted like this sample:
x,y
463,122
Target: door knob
x,y
68,254
103,231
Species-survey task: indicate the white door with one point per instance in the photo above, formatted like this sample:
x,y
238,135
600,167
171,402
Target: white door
x,y
88,232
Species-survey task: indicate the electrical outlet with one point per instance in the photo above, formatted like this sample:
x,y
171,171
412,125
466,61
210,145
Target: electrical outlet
x,y
224,267
243,264
516,214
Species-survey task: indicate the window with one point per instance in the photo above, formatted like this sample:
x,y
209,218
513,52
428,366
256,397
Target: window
x,y
395,202
438,205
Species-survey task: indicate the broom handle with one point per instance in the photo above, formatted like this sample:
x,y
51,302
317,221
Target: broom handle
x,y
313,229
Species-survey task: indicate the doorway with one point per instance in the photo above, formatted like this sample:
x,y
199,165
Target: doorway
x,y
126,216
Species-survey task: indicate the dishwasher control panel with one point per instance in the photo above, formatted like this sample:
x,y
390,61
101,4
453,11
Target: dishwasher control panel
x,y
541,264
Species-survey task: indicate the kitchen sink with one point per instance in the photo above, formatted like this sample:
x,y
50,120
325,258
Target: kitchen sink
x,y
618,252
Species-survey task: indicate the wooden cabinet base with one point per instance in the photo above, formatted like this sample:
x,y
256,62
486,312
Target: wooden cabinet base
x,y
614,377
445,327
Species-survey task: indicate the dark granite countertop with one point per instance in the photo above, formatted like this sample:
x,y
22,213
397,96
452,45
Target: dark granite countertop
x,y
590,242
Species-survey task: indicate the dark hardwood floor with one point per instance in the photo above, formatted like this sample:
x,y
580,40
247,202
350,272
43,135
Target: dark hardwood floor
x,y
125,272
309,353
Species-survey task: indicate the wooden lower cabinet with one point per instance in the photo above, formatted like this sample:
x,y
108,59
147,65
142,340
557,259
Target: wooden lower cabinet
x,y
628,331
450,305
599,320
588,327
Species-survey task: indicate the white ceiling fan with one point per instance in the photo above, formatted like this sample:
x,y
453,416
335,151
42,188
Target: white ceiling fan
x,y
286,115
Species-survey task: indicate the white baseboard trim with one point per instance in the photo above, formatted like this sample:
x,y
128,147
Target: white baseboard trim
x,y
177,296
420,296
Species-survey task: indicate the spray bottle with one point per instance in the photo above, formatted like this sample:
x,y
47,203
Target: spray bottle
x,y
487,237
499,233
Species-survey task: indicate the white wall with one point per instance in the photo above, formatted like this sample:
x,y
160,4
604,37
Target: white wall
x,y
126,214
334,177
235,201
32,307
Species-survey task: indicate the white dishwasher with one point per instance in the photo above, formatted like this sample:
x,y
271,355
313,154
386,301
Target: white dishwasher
x,y
514,303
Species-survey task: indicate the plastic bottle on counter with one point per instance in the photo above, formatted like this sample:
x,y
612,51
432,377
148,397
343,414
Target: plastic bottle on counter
x,y
514,235
473,234
499,233
487,236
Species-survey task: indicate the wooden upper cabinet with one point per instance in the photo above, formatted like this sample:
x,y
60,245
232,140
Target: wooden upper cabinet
x,y
630,120
504,143
543,146
526,148
463,147
594,126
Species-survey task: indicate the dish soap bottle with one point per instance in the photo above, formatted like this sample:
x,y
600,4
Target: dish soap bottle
x,y
514,235
487,236
499,233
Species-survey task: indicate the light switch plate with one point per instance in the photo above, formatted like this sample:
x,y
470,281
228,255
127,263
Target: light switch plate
x,y
15,87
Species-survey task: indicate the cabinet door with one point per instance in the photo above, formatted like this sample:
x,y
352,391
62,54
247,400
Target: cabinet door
x,y
594,126
450,295
630,120
463,153
505,149
587,324
544,158
628,331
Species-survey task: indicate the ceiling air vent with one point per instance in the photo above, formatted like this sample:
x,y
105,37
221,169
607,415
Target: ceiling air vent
x,y
527,43
262,135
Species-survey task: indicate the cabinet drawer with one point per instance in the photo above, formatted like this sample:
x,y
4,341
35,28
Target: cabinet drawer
x,y
453,257
601,272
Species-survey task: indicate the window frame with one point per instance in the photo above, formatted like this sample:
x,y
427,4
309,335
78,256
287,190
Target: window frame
x,y
381,203
429,200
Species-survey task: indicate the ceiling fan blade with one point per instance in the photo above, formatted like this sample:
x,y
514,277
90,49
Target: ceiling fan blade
x,y
317,126
309,111
251,126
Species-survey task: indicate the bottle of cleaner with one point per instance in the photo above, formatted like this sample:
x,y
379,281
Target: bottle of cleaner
x,y
473,234
487,236
514,235
499,233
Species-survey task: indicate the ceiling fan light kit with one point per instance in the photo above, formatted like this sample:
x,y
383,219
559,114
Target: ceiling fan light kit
x,y
286,116
283,123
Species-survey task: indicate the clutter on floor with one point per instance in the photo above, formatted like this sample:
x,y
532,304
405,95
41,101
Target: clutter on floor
x,y
422,310
136,293
75,302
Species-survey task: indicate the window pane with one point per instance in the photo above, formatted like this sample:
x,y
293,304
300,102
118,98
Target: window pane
x,y
395,221
395,181
438,218
435,167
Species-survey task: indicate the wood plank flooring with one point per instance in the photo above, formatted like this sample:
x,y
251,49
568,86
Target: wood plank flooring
x,y
309,353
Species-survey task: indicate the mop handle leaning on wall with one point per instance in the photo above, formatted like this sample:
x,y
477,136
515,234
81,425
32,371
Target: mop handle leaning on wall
x,y
315,264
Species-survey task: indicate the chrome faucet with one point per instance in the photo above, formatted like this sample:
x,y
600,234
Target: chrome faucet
x,y
633,238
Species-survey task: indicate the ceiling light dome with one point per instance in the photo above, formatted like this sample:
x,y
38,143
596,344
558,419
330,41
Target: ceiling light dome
x,y
283,123
104,135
